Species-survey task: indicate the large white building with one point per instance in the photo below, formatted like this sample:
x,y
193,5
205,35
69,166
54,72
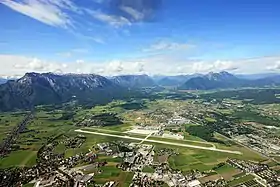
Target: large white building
x,y
194,183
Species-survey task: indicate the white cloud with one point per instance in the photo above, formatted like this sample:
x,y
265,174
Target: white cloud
x,y
89,38
99,1
51,12
274,67
73,52
19,65
68,15
159,64
137,16
114,67
216,66
113,20
139,67
65,54
168,46
34,64
80,62
97,40
257,65
80,50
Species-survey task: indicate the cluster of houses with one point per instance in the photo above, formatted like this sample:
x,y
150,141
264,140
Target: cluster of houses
x,y
263,174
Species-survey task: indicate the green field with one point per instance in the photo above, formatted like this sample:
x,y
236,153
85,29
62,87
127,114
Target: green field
x,y
225,169
8,121
187,161
241,180
212,120
28,185
44,126
202,144
252,116
147,169
108,172
19,159
111,173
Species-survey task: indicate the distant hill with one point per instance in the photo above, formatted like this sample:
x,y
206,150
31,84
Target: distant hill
x,y
2,80
168,81
256,76
225,80
176,80
47,88
133,81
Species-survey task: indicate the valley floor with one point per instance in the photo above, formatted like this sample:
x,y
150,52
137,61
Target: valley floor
x,y
190,125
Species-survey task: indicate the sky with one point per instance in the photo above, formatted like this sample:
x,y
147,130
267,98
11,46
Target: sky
x,y
154,37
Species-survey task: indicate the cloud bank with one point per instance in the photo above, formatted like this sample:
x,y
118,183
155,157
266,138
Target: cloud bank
x,y
16,66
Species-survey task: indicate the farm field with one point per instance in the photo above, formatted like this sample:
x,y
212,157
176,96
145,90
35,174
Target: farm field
x,y
19,159
40,129
8,121
241,180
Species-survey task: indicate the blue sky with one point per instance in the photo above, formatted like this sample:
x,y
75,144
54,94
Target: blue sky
x,y
139,36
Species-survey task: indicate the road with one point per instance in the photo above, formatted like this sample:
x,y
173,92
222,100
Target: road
x,y
244,145
161,142
146,138
5,146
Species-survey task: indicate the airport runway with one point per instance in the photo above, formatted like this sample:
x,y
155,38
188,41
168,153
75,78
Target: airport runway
x,y
161,142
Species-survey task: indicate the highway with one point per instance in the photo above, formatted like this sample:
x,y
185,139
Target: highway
x,y
161,142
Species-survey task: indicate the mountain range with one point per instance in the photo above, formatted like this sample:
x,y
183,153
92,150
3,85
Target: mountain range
x,y
133,81
256,76
175,80
224,80
48,88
